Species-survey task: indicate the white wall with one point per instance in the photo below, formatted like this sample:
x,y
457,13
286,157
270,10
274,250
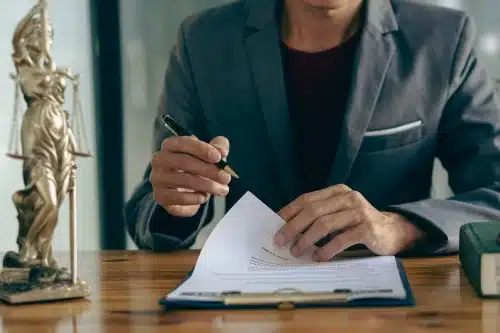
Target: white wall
x,y
71,49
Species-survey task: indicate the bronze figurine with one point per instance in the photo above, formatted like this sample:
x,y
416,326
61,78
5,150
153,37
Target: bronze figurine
x,y
48,150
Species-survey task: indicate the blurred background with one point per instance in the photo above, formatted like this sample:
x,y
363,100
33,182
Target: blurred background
x,y
121,48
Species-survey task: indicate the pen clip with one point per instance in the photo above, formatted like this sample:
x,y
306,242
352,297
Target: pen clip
x,y
175,127
166,122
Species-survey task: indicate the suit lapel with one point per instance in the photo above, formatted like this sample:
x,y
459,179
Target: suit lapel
x,y
370,68
263,47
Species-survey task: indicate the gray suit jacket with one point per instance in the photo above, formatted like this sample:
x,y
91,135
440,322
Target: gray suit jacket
x,y
419,92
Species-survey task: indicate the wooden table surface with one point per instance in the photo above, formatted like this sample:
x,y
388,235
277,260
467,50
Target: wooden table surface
x,y
127,286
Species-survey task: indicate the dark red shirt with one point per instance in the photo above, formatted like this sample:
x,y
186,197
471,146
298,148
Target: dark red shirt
x,y
318,86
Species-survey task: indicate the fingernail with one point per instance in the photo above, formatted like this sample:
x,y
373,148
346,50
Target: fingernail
x,y
279,239
224,190
222,149
225,177
214,156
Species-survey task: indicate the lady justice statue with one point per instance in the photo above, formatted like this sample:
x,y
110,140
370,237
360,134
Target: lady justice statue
x,y
48,148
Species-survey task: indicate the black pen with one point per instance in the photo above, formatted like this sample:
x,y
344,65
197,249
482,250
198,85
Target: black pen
x,y
178,130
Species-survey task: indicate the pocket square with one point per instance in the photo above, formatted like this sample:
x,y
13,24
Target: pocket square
x,y
394,130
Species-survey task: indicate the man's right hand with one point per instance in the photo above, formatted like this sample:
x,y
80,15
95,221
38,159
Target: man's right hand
x,y
184,174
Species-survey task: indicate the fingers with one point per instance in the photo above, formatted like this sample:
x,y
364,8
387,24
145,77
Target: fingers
x,y
174,179
222,145
196,160
321,209
168,161
291,230
184,174
192,146
290,211
324,226
166,197
340,243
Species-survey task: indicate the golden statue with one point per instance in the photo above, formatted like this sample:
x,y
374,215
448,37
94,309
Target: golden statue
x,y
48,147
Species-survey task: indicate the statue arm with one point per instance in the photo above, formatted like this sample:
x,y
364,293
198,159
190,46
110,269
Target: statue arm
x,y
20,51
21,54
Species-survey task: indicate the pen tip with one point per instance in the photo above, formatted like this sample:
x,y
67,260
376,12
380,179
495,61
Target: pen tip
x,y
231,172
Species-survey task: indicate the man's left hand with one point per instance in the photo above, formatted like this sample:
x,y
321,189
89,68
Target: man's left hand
x,y
339,209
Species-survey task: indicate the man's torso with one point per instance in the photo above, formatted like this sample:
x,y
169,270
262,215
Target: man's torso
x,y
387,142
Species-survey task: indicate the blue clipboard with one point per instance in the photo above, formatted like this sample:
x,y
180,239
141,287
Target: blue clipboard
x,y
173,305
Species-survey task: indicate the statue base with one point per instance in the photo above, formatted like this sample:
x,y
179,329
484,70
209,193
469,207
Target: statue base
x,y
37,284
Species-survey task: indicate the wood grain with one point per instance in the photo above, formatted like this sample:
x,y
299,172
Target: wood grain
x,y
126,288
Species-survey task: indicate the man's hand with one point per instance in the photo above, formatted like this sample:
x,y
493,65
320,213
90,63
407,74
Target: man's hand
x,y
184,174
347,213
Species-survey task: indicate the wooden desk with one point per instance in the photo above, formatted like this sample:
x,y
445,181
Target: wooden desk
x,y
127,287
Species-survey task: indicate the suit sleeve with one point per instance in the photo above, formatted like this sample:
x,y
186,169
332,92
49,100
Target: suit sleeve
x,y
149,225
469,149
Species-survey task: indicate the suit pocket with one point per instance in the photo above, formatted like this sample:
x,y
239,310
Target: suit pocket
x,y
392,137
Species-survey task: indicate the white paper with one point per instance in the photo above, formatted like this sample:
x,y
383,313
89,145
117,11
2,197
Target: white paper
x,y
240,255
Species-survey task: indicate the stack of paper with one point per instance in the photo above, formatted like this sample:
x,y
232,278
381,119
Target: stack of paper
x,y
240,256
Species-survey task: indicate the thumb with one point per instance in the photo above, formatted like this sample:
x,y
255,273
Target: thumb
x,y
222,145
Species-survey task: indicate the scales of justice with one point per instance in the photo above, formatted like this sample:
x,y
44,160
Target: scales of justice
x,y
47,139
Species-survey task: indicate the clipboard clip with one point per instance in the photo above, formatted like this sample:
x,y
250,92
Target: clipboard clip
x,y
286,299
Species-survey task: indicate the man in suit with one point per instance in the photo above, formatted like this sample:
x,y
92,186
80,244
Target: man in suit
x,y
334,112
